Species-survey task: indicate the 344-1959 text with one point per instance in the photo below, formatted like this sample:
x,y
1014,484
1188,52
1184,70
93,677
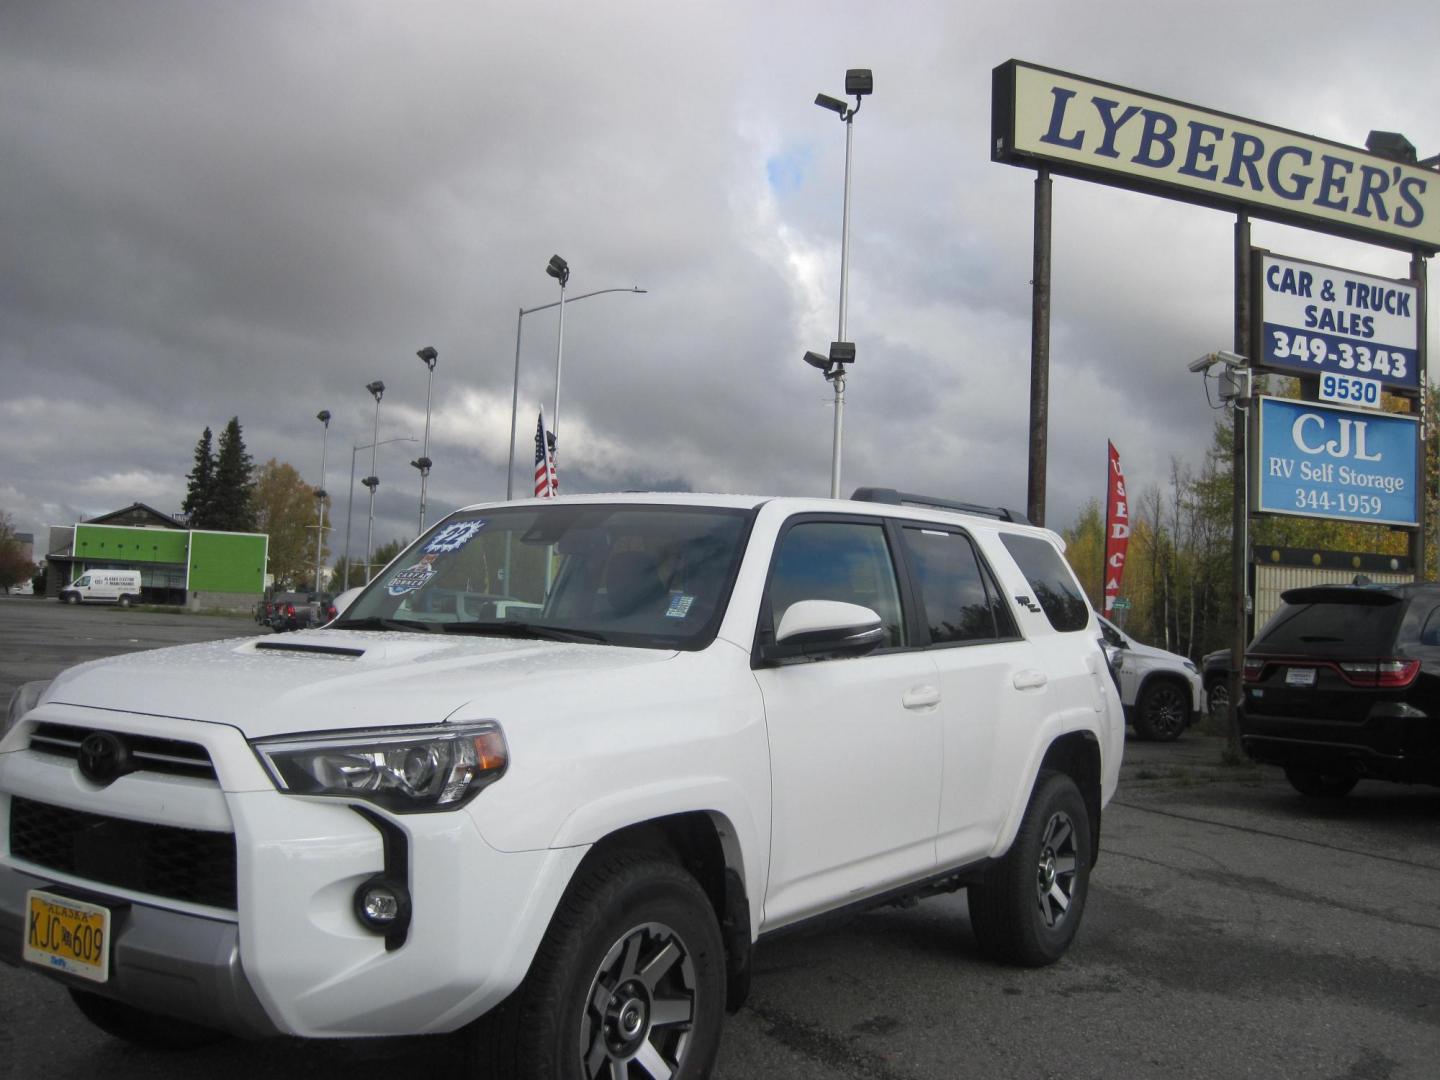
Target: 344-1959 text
x,y
1342,502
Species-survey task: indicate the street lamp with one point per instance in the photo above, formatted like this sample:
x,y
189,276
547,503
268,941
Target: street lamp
x,y
559,269
377,390
858,84
324,417
427,356
350,504
515,388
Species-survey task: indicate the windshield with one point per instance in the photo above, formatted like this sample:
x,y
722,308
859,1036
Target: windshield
x,y
650,576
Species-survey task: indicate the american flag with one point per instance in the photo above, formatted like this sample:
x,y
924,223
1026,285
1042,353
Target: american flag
x,y
547,483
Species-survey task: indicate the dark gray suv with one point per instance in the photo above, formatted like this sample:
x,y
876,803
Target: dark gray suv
x,y
1343,683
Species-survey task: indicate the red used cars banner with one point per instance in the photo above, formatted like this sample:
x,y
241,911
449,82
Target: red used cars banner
x,y
1117,528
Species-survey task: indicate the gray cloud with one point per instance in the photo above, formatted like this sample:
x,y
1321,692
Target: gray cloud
x,y
253,210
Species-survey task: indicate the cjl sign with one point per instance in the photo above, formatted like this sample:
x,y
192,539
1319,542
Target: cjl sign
x,y
1321,461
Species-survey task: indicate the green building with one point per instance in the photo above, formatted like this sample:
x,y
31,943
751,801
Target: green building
x,y
195,568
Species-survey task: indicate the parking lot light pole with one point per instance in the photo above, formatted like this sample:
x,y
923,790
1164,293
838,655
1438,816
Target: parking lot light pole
x,y
859,83
350,505
515,387
559,269
427,356
377,390
320,495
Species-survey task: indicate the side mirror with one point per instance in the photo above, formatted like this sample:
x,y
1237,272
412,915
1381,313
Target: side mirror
x,y
345,599
816,628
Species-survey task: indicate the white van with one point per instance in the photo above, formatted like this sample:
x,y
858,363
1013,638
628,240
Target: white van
x,y
103,587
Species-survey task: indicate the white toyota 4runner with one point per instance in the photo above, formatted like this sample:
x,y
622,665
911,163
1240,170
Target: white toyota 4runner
x,y
556,771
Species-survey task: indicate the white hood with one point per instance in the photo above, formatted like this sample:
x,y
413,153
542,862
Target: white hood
x,y
281,684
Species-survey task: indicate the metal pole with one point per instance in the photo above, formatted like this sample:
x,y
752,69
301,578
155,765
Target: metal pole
x,y
514,406
1240,513
349,512
559,354
1417,537
425,446
1039,351
320,508
374,483
515,387
838,379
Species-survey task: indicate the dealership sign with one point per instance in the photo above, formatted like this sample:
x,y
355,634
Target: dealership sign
x,y
1318,319
1321,461
1099,131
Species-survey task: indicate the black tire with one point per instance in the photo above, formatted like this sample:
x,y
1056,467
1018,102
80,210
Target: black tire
x,y
1163,710
72,598
1029,907
147,1029
1317,785
124,600
634,930
1217,702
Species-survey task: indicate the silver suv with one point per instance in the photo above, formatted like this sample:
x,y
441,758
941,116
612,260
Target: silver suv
x,y
1161,690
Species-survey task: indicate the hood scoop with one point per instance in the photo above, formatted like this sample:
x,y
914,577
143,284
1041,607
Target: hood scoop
x,y
338,651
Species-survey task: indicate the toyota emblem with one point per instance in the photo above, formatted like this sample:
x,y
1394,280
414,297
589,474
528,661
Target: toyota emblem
x,y
102,757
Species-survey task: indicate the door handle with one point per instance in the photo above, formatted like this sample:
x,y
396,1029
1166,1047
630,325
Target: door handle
x,y
1029,679
921,697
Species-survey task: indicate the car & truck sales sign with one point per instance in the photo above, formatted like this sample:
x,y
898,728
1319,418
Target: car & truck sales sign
x,y
1098,131
1317,319
1321,461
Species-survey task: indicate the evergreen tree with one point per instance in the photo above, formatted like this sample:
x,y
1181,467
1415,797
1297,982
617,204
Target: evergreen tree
x,y
200,493
234,502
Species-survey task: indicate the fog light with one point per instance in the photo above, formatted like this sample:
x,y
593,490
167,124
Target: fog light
x,y
382,905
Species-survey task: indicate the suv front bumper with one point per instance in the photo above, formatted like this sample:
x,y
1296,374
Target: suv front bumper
x,y
166,962
291,956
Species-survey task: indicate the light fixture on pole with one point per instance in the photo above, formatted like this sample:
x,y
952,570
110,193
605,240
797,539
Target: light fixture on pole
x,y
320,495
858,84
515,386
377,391
427,356
559,269
350,502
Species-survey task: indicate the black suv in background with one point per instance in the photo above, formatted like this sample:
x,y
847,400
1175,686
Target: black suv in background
x,y
1343,683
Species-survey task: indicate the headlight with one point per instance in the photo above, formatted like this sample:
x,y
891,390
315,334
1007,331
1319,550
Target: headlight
x,y
21,702
406,770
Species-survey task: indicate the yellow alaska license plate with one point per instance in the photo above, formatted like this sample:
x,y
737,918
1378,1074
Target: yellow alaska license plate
x,y
67,935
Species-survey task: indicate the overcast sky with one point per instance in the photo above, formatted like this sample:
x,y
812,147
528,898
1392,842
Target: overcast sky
x,y
211,210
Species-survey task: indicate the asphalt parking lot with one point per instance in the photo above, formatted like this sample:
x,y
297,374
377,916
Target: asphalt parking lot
x,y
1234,930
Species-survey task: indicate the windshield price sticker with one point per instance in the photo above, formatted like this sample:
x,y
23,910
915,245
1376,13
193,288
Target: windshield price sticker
x,y
1346,390
1322,461
1320,319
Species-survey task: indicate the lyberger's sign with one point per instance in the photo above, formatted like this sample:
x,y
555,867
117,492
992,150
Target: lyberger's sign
x,y
1102,132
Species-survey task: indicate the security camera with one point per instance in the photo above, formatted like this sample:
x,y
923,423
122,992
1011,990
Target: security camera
x,y
816,360
1223,356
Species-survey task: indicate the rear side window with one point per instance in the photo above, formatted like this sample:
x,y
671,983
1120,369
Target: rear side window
x,y
1054,584
1365,629
961,600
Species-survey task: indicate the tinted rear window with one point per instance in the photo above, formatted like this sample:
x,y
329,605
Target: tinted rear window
x,y
1049,575
1331,628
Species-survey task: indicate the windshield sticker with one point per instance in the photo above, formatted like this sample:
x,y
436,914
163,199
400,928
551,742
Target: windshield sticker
x,y
453,537
412,577
679,606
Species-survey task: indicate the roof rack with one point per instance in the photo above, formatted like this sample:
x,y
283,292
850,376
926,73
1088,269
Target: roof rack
x,y
905,498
